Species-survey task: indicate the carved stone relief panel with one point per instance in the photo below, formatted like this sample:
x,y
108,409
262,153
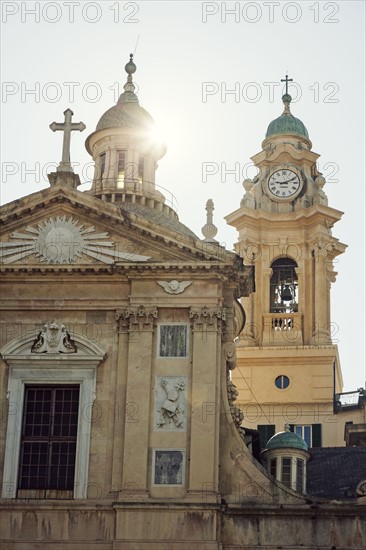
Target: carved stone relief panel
x,y
174,286
64,240
169,467
170,411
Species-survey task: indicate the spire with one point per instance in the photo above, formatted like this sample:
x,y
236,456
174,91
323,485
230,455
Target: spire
x,y
209,230
287,124
129,96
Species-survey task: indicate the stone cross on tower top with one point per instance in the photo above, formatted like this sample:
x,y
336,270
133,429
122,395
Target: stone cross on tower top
x,y
67,127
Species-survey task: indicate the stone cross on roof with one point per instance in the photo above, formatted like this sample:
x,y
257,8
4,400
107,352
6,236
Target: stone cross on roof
x,y
67,127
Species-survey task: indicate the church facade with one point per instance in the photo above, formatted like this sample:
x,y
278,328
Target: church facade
x,y
120,428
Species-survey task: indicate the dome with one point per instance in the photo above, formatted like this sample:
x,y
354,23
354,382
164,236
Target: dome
x,y
287,123
130,115
286,440
127,112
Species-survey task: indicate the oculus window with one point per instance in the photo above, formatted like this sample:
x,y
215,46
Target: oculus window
x,y
282,382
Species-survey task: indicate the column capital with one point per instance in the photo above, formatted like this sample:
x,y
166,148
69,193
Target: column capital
x,y
207,319
134,319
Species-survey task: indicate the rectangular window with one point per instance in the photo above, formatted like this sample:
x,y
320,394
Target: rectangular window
x,y
141,170
273,467
48,444
286,471
121,161
310,433
173,341
299,475
266,431
102,164
305,433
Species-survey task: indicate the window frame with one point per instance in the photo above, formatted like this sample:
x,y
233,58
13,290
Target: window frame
x,y
286,471
315,433
121,168
102,164
176,485
180,357
282,378
27,368
46,434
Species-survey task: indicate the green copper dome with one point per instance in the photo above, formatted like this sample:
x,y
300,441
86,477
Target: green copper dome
x,y
286,440
287,123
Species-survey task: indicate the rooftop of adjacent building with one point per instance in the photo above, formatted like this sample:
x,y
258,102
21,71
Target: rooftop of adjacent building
x,y
335,472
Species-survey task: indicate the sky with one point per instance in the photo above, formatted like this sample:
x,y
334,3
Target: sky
x,y
209,73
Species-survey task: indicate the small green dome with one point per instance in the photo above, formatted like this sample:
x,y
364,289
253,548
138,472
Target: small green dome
x,y
286,440
287,123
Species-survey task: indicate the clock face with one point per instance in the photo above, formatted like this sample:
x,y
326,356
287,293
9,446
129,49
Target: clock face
x,y
284,183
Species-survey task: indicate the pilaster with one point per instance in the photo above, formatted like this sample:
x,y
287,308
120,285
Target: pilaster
x,y
138,326
206,358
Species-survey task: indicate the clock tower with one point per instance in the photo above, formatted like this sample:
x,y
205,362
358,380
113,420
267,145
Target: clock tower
x,y
288,366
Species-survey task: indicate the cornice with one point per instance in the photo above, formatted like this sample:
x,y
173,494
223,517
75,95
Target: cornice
x,y
316,214
110,215
130,269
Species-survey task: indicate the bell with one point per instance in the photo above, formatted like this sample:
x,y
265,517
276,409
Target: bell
x,y
286,294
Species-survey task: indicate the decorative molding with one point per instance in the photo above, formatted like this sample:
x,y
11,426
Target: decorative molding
x,y
249,250
63,240
322,248
236,412
135,319
170,403
230,355
361,488
205,318
54,338
174,286
331,274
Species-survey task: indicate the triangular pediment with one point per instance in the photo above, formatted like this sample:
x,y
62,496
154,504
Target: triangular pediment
x,y
66,227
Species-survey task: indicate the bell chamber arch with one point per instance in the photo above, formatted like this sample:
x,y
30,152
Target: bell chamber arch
x,y
283,291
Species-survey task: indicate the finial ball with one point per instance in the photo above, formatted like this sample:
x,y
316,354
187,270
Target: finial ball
x,y
130,67
286,98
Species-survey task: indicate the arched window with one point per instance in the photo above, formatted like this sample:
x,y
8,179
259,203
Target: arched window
x,y
283,286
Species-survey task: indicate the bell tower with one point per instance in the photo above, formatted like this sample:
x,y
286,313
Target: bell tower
x,y
286,358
